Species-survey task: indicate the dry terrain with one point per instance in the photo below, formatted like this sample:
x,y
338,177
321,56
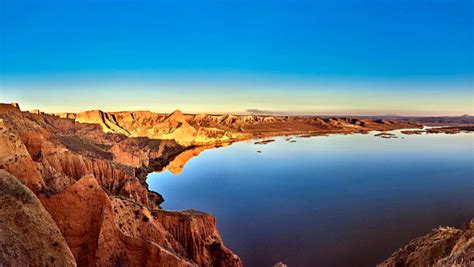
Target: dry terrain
x,y
73,188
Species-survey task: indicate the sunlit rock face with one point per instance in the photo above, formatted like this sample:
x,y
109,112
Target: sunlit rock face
x,y
88,171
84,200
204,129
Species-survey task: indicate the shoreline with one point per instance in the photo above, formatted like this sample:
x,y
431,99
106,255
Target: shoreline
x,y
105,158
250,145
258,141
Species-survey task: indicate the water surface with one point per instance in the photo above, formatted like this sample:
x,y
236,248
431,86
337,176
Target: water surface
x,y
341,200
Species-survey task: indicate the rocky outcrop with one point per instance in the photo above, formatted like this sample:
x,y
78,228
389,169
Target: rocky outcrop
x,y
115,179
106,120
450,130
204,129
88,170
79,212
441,121
92,188
15,158
139,152
463,250
28,234
444,246
105,231
442,130
386,135
12,107
264,142
100,233
152,125
196,233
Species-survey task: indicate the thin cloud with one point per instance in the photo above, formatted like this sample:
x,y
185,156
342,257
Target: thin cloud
x,y
255,111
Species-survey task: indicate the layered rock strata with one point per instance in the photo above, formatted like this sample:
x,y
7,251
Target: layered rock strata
x,y
204,129
74,195
74,191
444,246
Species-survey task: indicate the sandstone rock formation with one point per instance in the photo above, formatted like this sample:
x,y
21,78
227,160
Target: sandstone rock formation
x,y
15,158
94,207
93,225
203,129
28,234
444,246
88,171
152,125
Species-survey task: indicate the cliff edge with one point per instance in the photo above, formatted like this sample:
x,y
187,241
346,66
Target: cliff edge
x,y
74,194
444,246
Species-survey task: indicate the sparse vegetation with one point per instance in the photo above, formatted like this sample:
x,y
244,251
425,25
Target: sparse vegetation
x,y
14,189
137,214
84,146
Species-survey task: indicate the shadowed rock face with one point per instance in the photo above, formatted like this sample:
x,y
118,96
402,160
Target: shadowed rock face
x,y
444,246
28,234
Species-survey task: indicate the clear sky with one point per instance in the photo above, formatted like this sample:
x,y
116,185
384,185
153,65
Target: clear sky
x,y
407,57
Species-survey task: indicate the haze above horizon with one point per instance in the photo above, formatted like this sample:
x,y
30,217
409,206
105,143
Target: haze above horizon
x,y
343,57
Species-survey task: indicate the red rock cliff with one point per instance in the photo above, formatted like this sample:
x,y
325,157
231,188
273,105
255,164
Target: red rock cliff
x,y
94,208
88,171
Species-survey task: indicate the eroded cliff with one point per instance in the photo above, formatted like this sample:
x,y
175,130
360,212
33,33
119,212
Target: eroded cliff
x,y
444,246
29,236
87,172
204,129
89,200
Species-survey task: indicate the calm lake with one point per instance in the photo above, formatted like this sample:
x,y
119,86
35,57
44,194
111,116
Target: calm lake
x,y
341,200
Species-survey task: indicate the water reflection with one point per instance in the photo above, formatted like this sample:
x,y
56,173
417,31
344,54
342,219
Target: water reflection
x,y
326,201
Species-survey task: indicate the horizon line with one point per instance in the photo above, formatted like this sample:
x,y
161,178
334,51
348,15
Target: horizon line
x,y
246,112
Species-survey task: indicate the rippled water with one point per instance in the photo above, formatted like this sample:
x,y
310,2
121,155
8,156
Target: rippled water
x,y
342,200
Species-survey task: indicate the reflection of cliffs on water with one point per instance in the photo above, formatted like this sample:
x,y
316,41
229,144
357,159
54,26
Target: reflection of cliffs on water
x,y
177,164
91,167
85,200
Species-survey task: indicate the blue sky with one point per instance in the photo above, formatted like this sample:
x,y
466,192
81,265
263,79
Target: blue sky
x,y
342,56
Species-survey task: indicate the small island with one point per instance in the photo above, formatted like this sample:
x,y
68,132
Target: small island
x,y
386,135
264,142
